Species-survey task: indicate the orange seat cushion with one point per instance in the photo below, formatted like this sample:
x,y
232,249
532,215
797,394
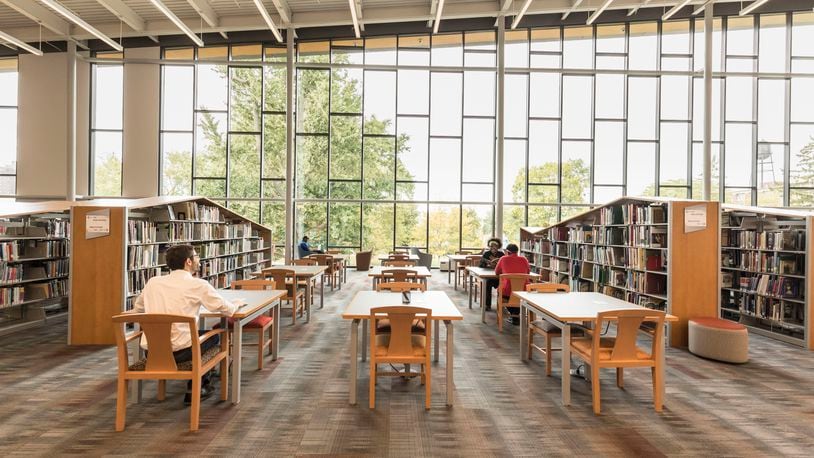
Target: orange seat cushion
x,y
260,322
605,348
718,323
383,342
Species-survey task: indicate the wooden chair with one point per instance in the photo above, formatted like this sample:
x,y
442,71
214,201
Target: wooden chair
x,y
259,325
621,351
460,267
518,283
398,263
542,327
398,257
400,345
332,272
333,251
400,275
294,296
400,286
471,261
307,262
160,364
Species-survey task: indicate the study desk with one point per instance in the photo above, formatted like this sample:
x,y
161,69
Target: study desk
x,y
564,309
257,303
377,273
341,264
359,310
453,260
307,273
483,275
410,257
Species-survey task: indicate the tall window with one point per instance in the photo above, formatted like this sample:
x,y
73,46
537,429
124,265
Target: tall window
x,y
106,140
8,127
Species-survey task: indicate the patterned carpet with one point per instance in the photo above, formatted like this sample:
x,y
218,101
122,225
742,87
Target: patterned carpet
x,y
61,400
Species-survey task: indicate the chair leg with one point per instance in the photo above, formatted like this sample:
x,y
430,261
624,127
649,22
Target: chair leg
x,y
548,358
427,387
271,339
121,403
261,343
224,379
195,409
658,383
500,316
595,388
162,390
620,377
372,385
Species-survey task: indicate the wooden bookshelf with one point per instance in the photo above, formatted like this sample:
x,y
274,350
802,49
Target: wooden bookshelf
x,y
230,248
34,263
530,246
636,249
765,271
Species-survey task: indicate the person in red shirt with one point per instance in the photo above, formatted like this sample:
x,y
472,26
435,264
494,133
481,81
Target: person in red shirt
x,y
511,263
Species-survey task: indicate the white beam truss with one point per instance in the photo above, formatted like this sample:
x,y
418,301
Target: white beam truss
x,y
124,13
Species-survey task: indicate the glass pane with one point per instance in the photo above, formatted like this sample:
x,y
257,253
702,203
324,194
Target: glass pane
x,y
414,41
8,82
802,198
544,149
675,97
479,147
445,169
545,95
212,87
542,216
772,52
274,189
738,196
478,193
674,149
345,225
244,165
346,90
545,39
698,171
576,172
176,164
678,193
517,48
485,41
479,93
378,227
411,225
543,194
738,152
546,61
414,92
107,96
801,107
771,110
770,174
516,114
107,163
446,104
604,194
642,109
740,36
578,47
179,54
344,190
176,91
643,46
480,59
379,156
380,102
576,116
675,37
413,144
641,169
445,223
610,38
414,56
739,97
514,217
313,51
380,51
447,49
252,52
477,225
312,166
210,145
273,217
250,210
246,98
274,150
610,96
514,171
412,191
210,188
346,147
802,34
275,88
312,101
310,219
609,145
8,140
802,155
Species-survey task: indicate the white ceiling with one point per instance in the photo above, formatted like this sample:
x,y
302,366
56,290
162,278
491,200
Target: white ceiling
x,y
238,15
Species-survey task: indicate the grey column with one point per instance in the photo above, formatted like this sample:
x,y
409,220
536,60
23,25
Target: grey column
x,y
289,147
501,35
707,173
70,170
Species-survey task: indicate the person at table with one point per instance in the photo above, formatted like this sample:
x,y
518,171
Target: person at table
x,y
180,293
489,260
305,249
511,263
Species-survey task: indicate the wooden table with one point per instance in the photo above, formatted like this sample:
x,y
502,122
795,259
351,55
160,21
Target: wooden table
x,y
454,259
483,275
359,310
308,273
257,303
564,309
410,257
376,273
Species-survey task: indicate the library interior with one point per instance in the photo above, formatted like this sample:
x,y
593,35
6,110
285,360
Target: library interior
x,y
406,228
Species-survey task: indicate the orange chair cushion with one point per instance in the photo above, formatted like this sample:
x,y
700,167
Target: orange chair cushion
x,y
718,323
383,342
260,322
605,348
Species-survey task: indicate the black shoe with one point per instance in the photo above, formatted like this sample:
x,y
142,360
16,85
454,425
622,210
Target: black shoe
x,y
516,320
206,391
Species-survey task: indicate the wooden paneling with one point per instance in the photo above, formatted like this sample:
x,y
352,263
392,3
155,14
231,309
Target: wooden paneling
x,y
97,278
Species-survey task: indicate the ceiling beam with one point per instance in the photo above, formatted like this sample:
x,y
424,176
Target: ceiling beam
x,y
124,13
205,10
593,17
503,9
439,10
572,9
751,7
20,44
635,9
261,8
359,14
355,18
75,19
519,15
40,15
178,22
702,7
283,10
675,9
433,7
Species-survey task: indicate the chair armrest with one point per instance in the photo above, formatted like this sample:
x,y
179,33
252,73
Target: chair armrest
x,y
132,336
209,334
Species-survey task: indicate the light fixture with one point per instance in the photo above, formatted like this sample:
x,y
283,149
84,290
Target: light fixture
x,y
596,14
755,5
438,16
172,17
20,44
267,18
352,4
67,14
520,14
674,10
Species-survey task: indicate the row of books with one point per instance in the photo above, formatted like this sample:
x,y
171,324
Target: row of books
x,y
37,291
10,273
225,279
633,214
188,211
781,287
792,239
638,236
641,282
136,279
584,234
52,228
140,256
764,262
21,249
769,308
215,265
534,245
167,232
211,249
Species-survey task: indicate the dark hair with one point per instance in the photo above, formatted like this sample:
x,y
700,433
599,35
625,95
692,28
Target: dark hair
x,y
177,256
496,240
512,248
304,238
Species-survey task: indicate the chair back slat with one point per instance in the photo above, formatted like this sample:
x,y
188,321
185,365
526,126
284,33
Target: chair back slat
x,y
401,322
157,329
254,284
400,286
518,283
280,277
548,288
473,260
628,323
398,263
400,275
304,262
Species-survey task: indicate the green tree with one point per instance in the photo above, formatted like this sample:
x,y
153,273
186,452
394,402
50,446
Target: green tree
x,y
803,175
107,175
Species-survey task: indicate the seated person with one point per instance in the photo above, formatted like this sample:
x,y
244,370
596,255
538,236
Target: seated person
x,y
179,293
511,263
305,249
489,260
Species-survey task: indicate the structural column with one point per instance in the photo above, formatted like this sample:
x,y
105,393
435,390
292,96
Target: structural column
x,y
70,170
289,147
707,173
501,35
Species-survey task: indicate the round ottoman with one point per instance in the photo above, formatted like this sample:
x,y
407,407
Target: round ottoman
x,y
718,339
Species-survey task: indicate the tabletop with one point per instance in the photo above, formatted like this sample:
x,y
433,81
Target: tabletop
x,y
578,306
442,306
460,257
490,273
410,257
420,271
300,270
254,300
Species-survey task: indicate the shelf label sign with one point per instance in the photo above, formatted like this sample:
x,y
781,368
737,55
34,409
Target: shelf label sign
x,y
97,223
695,218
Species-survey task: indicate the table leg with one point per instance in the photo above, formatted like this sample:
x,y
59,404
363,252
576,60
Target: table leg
x,y
322,292
275,339
455,273
307,300
470,291
354,346
436,337
482,299
523,331
662,370
566,365
449,270
364,340
450,363
237,344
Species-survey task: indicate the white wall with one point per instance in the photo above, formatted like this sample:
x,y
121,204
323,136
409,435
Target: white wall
x,y
141,117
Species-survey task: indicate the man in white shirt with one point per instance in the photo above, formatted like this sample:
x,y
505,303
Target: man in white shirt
x,y
179,293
